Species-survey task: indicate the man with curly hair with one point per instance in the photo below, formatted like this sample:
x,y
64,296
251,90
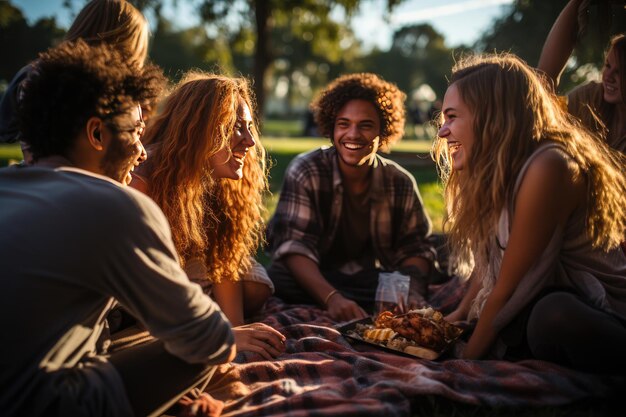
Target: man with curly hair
x,y
345,213
76,241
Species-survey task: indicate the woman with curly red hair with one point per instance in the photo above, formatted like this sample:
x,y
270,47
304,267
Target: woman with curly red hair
x,y
206,170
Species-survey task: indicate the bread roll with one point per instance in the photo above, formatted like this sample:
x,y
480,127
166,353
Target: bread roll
x,y
421,352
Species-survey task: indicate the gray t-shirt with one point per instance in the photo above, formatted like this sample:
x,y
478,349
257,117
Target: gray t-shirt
x,y
71,243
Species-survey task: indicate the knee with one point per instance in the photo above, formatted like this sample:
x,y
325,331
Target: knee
x,y
255,296
551,321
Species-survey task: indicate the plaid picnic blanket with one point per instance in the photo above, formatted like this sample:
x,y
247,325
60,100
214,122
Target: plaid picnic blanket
x,y
322,374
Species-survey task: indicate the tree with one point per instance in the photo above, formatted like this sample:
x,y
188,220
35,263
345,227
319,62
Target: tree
x,y
177,51
524,28
418,55
308,48
259,17
22,40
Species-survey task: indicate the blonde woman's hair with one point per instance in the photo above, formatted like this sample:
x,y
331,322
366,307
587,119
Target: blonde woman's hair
x,y
513,113
217,220
116,22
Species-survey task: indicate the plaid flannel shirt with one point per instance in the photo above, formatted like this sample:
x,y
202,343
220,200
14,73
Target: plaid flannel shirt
x,y
308,213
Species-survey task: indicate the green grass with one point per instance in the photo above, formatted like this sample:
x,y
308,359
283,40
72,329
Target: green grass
x,y
282,128
10,154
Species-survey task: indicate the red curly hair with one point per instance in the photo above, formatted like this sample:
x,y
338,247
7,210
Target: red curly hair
x,y
217,220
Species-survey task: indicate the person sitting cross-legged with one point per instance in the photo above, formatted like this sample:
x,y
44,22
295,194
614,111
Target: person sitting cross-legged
x,y
345,213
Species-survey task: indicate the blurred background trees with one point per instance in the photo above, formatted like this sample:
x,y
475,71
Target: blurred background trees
x,y
292,48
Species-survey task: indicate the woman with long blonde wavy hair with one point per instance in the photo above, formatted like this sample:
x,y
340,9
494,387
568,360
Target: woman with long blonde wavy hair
x,y
206,170
537,207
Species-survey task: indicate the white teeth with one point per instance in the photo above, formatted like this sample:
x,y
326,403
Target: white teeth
x,y
353,146
241,154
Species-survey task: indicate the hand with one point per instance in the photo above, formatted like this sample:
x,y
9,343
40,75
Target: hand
x,y
343,309
199,404
416,301
259,338
456,315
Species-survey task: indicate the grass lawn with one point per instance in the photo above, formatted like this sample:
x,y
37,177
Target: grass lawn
x,y
9,154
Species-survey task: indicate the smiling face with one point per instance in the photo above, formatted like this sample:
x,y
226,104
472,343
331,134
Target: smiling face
x,y
229,162
357,127
124,150
611,83
457,128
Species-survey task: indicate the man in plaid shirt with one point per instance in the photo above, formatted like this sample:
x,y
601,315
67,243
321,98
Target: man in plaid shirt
x,y
345,213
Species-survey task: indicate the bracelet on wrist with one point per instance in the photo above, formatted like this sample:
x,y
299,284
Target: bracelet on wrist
x,y
330,294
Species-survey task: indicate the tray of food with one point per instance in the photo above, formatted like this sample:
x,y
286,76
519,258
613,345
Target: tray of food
x,y
422,333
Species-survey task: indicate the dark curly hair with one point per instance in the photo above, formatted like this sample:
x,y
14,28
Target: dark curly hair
x,y
385,96
73,82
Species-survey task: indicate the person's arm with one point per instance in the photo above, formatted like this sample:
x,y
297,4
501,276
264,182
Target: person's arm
x,y
141,270
465,305
560,42
307,273
255,337
229,296
545,199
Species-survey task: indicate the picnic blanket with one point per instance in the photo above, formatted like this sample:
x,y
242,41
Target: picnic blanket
x,y
322,374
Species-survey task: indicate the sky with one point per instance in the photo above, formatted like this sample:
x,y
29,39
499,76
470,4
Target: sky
x,y
460,21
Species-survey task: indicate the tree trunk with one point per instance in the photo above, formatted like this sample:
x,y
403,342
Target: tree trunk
x,y
262,53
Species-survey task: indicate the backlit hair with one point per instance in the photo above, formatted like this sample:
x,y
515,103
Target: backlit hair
x,y
607,111
618,45
512,114
386,98
73,82
116,22
218,220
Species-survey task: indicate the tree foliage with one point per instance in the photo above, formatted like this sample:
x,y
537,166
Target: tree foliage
x,y
523,29
307,22
418,56
292,48
20,42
